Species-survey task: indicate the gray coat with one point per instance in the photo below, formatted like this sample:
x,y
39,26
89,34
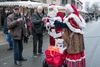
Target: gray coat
x,y
37,23
17,30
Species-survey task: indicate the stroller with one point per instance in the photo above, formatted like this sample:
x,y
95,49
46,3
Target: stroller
x,y
55,55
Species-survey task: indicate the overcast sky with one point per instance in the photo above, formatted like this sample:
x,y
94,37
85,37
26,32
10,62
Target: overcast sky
x,y
91,1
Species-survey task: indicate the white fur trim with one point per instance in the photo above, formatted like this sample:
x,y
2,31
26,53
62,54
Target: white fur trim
x,y
83,22
69,8
77,20
74,29
51,6
68,59
52,20
58,18
52,14
54,34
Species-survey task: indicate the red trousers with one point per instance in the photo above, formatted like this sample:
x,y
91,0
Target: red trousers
x,y
52,41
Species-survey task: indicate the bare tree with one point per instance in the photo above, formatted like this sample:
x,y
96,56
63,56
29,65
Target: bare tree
x,y
95,7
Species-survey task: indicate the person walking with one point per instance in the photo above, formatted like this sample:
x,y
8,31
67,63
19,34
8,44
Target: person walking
x,y
5,30
17,30
37,30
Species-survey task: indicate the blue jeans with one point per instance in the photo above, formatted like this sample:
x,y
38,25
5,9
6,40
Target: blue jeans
x,y
9,40
18,49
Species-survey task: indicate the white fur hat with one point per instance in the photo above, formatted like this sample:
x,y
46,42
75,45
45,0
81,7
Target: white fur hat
x,y
52,6
69,8
52,10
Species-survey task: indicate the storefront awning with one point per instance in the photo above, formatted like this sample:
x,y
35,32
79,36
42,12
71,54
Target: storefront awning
x,y
28,4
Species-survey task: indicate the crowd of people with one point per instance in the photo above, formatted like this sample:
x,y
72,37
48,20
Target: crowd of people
x,y
89,17
18,28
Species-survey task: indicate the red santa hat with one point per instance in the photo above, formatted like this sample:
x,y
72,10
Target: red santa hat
x,y
51,6
52,10
71,8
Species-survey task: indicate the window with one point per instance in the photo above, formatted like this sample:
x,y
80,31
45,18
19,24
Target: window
x,y
44,1
2,0
64,2
73,2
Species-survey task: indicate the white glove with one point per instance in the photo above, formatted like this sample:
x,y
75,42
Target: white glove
x,y
52,24
51,21
58,19
48,26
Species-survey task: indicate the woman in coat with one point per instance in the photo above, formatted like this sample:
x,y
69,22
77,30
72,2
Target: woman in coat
x,y
73,25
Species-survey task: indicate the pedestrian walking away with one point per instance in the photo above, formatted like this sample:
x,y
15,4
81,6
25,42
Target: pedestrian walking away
x,y
5,30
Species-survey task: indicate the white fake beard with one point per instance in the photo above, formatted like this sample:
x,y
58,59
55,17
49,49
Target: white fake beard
x,y
52,14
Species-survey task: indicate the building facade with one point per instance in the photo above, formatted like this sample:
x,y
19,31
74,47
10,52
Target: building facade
x,y
2,13
77,3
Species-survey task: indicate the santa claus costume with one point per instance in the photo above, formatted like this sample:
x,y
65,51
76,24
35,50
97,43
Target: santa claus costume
x,y
54,14
73,37
54,53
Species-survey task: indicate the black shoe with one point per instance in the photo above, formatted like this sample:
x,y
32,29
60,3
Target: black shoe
x,y
10,49
23,59
35,55
18,63
40,53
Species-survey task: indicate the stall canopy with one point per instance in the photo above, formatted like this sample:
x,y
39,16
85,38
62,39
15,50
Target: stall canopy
x,y
28,4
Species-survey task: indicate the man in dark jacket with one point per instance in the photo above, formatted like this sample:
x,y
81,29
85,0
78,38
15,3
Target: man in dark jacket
x,y
37,23
17,30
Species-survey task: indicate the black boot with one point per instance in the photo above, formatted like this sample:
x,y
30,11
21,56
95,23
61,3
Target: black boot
x,y
18,63
23,59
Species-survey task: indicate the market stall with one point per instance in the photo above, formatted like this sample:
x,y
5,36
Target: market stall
x,y
27,4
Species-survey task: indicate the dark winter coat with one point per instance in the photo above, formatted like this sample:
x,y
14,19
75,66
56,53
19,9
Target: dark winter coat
x,y
17,30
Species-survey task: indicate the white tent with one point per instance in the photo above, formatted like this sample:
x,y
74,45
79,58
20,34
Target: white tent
x,y
28,4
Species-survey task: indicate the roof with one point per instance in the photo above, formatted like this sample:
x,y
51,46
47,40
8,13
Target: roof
x,y
28,4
